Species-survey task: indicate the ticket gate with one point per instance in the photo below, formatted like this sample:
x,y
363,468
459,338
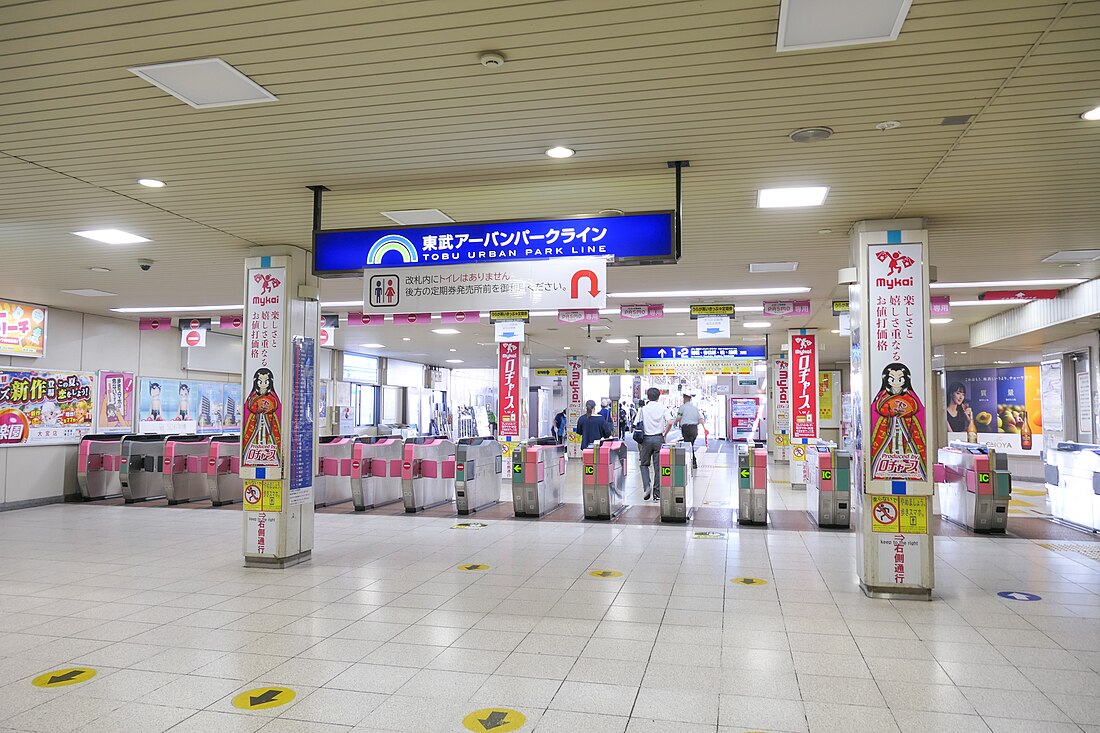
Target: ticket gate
x,y
829,485
98,466
427,472
675,479
334,470
223,470
1073,483
376,471
974,486
478,469
142,467
752,485
538,477
185,468
604,479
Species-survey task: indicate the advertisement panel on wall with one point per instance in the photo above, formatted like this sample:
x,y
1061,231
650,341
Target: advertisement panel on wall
x,y
188,406
828,399
999,407
265,314
40,407
22,329
115,408
781,418
574,402
804,387
508,369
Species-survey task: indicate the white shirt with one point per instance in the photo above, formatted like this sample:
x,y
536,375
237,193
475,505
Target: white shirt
x,y
689,414
654,418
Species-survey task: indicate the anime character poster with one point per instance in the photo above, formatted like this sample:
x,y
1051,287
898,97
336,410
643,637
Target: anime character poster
x,y
39,407
896,354
261,436
115,411
262,426
186,406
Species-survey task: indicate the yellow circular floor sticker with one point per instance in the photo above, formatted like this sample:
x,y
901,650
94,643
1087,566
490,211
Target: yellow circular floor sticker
x,y
62,677
749,581
496,720
473,567
606,574
263,697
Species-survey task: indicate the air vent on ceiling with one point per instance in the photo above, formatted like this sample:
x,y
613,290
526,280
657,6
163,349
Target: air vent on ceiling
x,y
806,24
1073,255
204,83
413,217
956,119
773,266
90,293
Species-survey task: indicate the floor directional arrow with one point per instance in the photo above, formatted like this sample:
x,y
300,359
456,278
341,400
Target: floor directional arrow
x,y
70,675
495,720
262,698
267,696
63,677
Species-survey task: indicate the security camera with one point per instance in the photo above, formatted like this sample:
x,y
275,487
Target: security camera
x,y
599,339
145,265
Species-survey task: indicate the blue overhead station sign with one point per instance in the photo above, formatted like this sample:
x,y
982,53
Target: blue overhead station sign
x,y
629,239
651,353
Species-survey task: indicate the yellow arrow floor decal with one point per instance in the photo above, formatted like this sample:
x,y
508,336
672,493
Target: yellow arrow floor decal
x,y
263,697
494,720
63,677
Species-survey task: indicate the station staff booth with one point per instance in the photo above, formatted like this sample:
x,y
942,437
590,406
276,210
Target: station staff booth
x,y
1073,483
376,471
185,474
538,477
223,470
974,486
99,466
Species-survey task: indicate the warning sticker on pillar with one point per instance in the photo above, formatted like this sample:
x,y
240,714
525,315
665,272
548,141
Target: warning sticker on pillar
x,y
265,316
260,534
896,357
803,388
508,371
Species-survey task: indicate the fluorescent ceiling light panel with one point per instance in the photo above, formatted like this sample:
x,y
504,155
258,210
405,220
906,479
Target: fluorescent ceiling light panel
x,y
1092,115
773,266
710,294
90,293
373,346
179,309
1074,255
618,341
1007,283
152,183
1013,301
446,331
454,361
204,83
412,217
111,236
789,198
757,324
806,24
342,304
939,321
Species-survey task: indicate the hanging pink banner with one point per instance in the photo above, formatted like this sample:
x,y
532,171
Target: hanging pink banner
x,y
461,317
366,319
579,315
154,324
786,307
641,311
231,322
411,319
940,305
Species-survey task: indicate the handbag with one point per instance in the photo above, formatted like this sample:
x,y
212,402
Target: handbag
x,y
639,433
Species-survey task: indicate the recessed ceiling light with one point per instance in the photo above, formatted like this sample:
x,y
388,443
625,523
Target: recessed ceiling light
x,y
773,266
709,293
568,348
940,321
204,83
406,338
1007,283
90,293
824,231
887,125
805,24
609,212
835,330
811,134
180,309
1092,115
454,349
373,346
680,333
785,198
618,341
559,151
412,217
111,236
454,361
99,269
152,183
603,362
446,331
757,324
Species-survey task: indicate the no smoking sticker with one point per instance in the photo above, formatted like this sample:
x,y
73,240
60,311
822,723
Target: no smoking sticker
x,y
263,496
899,514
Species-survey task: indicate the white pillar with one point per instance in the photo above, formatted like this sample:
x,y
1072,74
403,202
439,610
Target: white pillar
x,y
278,434
802,396
891,386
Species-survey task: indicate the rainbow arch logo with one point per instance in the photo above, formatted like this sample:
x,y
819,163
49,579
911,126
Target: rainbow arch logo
x,y
391,243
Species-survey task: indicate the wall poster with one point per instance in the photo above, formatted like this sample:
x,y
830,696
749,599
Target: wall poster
x,y
22,329
115,409
41,407
1051,399
187,406
262,432
999,407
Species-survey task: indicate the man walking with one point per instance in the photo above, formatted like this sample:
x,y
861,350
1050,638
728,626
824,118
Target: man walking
x,y
655,424
688,419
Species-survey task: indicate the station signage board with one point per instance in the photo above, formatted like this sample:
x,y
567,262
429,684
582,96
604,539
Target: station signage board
x,y
500,316
782,308
22,329
628,239
641,312
701,311
840,307
579,315
648,353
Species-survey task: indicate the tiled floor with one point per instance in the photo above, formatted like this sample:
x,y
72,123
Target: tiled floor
x,y
381,631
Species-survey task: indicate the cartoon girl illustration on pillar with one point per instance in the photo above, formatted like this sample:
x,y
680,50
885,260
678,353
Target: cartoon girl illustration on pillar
x,y
897,436
262,435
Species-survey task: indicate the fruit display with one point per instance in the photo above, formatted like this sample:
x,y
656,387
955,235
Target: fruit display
x,y
1010,419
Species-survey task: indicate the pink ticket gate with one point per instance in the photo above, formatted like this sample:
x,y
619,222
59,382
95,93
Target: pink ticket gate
x,y
185,461
142,467
974,486
676,482
427,473
99,465
223,470
334,471
376,471
829,485
752,486
603,479
538,477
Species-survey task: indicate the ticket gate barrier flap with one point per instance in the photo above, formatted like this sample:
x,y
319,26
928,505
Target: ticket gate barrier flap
x,y
478,467
142,467
376,471
829,489
752,477
99,466
185,468
223,470
333,483
676,481
974,487
604,479
538,477
427,473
